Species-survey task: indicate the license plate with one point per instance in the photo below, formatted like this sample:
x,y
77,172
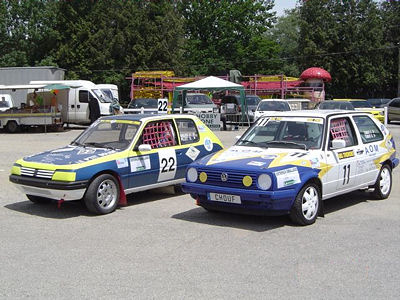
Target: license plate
x,y
224,198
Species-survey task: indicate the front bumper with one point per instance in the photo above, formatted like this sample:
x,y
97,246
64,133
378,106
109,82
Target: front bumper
x,y
252,201
49,188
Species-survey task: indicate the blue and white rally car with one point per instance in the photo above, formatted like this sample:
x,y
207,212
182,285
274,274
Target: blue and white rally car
x,y
288,163
115,156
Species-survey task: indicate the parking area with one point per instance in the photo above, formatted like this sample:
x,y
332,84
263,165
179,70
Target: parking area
x,y
163,246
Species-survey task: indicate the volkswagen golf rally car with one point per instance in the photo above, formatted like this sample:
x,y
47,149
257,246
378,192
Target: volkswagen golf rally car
x,y
115,156
288,163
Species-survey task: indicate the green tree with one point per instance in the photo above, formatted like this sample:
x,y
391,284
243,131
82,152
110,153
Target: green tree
x,y
345,38
223,35
286,34
391,19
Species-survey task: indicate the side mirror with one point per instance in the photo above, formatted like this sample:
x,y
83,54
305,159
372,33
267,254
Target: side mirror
x,y
337,144
144,147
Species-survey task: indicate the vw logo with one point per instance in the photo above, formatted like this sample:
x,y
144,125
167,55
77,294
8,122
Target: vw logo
x,y
224,177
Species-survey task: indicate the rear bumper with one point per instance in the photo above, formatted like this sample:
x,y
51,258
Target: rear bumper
x,y
50,189
252,201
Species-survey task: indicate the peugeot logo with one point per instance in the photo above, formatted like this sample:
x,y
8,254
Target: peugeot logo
x,y
224,177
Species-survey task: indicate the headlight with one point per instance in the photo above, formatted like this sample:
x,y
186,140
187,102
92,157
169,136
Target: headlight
x,y
192,175
264,181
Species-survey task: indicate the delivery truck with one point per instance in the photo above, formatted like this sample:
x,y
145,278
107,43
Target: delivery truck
x,y
61,101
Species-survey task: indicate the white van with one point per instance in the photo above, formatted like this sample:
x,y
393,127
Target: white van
x,y
73,97
110,90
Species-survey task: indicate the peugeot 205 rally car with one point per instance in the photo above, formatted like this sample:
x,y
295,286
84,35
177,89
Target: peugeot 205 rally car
x,y
115,156
290,162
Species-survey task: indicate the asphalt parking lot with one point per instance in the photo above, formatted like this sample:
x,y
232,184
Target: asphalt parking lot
x,y
163,246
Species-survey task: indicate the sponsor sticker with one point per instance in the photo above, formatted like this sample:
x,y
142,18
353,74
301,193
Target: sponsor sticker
x,y
208,144
192,153
122,162
346,154
140,163
287,177
201,128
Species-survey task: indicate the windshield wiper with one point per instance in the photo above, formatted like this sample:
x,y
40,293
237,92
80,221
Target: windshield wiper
x,y
98,145
248,142
288,143
74,143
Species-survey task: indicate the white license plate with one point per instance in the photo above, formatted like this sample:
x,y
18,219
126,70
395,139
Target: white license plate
x,y
225,198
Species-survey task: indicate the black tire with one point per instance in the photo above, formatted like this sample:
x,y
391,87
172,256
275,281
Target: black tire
x,y
305,211
102,195
37,199
383,184
12,127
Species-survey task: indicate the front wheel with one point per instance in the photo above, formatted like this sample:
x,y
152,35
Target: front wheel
x,y
306,205
12,127
383,184
102,195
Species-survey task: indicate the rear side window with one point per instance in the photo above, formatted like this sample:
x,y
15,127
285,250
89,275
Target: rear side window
x,y
83,96
187,131
159,134
368,130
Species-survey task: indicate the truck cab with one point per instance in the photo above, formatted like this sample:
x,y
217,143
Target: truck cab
x,y
6,102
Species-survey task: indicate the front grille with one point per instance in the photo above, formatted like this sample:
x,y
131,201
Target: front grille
x,y
47,174
235,179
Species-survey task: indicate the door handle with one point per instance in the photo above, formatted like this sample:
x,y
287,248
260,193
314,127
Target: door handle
x,y
72,105
78,106
360,152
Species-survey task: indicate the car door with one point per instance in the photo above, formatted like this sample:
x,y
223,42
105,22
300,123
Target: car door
x,y
342,176
371,138
159,163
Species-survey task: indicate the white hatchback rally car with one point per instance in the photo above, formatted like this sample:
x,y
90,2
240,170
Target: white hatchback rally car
x,y
289,163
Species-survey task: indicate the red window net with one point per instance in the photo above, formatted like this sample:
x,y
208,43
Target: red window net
x,y
158,135
338,130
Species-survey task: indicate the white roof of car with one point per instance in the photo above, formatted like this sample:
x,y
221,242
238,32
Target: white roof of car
x,y
313,113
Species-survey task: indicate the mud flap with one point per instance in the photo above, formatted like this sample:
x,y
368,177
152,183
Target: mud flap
x,y
122,195
321,212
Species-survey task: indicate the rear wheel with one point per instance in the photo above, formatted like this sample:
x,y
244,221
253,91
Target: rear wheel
x,y
102,195
383,184
37,199
12,127
306,205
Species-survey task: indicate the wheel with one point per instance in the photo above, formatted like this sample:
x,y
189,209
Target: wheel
x,y
37,199
12,127
383,184
306,205
102,195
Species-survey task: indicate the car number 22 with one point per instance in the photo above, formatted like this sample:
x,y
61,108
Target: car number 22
x,y
168,165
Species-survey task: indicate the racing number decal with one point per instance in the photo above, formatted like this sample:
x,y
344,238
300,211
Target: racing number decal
x,y
162,105
168,164
346,174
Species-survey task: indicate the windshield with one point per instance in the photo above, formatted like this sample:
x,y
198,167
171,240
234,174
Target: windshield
x,y
273,106
361,104
116,135
107,93
252,100
336,105
4,104
284,132
198,99
102,97
146,103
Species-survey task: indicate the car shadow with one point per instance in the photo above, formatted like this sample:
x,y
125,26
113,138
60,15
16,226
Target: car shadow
x,y
266,223
69,209
238,221
72,209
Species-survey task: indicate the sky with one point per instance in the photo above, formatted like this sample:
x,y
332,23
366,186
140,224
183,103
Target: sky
x,y
281,5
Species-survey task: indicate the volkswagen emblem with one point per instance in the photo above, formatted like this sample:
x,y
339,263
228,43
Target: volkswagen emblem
x,y
224,177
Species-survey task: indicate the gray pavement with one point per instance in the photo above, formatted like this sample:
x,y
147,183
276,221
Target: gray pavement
x,y
163,246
